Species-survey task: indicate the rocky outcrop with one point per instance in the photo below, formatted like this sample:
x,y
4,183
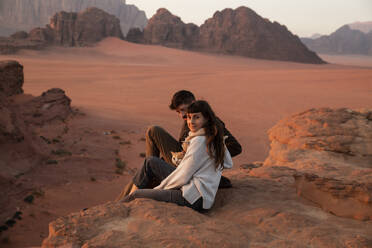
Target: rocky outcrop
x,y
66,29
81,29
168,30
257,212
11,78
343,41
236,32
243,32
19,118
17,15
22,146
345,199
52,105
326,142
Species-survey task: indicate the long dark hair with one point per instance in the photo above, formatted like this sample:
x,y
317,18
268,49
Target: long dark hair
x,y
213,131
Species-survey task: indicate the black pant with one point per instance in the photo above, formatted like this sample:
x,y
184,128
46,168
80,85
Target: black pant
x,y
153,171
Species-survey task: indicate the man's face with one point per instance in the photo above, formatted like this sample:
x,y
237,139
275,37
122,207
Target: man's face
x,y
181,110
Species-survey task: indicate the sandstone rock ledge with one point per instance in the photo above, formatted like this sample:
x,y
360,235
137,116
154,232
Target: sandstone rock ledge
x,y
260,211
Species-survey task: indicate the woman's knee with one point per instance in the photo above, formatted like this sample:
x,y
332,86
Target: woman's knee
x,y
152,161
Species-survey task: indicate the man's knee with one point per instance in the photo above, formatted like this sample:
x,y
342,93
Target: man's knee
x,y
153,130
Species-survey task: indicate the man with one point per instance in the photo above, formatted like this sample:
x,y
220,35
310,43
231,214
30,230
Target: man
x,y
160,143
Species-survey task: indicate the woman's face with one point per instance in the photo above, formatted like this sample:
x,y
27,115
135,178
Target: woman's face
x,y
195,121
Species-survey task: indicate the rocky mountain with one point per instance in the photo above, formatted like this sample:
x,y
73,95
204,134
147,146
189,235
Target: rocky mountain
x,y
344,40
24,15
66,29
236,32
320,155
365,27
243,32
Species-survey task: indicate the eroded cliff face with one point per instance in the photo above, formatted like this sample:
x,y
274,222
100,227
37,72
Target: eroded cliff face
x,y
16,15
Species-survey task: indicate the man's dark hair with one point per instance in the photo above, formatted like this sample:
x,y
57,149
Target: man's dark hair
x,y
181,97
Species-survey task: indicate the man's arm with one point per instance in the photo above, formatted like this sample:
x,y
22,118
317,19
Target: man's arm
x,y
184,132
231,143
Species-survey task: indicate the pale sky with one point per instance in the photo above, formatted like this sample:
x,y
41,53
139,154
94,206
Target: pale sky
x,y
302,17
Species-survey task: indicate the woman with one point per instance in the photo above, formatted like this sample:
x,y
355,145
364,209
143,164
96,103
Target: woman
x,y
194,182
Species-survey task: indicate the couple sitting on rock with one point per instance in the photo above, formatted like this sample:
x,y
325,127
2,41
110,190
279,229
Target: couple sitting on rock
x,y
188,171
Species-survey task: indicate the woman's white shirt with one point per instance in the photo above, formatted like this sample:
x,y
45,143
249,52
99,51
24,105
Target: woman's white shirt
x,y
197,175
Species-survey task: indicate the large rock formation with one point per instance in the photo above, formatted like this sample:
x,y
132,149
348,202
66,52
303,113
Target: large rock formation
x,y
343,41
66,29
243,32
17,15
169,30
329,143
263,208
236,32
80,29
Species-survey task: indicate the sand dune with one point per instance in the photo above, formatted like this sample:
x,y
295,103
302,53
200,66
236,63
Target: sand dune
x,y
132,84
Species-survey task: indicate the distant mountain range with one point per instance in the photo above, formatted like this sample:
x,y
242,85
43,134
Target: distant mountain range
x,y
235,32
355,38
24,15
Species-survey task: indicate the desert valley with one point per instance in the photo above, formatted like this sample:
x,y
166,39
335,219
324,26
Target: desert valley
x,y
304,178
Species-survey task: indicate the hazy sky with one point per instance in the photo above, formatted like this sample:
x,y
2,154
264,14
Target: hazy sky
x,y
302,17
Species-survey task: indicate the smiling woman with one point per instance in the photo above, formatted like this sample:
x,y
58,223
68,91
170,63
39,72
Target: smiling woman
x,y
299,18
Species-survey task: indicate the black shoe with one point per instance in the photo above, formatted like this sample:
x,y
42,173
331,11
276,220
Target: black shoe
x,y
225,183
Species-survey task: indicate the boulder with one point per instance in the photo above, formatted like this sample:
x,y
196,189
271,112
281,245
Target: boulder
x,y
341,198
11,77
331,143
52,105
